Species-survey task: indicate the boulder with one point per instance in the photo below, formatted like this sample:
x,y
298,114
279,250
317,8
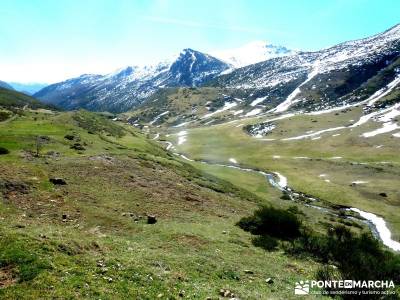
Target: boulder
x,y
4,151
69,137
78,146
226,293
151,219
269,280
57,181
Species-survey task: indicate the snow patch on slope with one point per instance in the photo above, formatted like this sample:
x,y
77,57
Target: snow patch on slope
x,y
227,106
311,135
253,112
384,116
383,91
158,117
387,127
291,99
182,137
258,101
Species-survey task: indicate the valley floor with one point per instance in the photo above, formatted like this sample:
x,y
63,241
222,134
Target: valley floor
x,y
323,155
89,238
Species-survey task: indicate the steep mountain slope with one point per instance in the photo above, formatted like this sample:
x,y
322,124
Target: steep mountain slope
x,y
252,53
317,80
180,106
364,71
211,105
5,85
127,87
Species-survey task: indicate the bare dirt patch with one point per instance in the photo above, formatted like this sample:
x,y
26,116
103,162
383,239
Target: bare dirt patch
x,y
11,189
7,276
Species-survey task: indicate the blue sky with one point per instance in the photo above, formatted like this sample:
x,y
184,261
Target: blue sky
x,y
51,40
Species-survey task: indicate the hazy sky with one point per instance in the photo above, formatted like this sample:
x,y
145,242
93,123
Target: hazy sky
x,y
51,40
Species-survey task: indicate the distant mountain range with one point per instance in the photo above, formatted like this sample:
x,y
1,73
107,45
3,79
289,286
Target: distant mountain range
x,y
5,85
28,88
125,88
283,78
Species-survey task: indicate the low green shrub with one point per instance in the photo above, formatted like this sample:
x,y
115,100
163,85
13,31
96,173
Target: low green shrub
x,y
273,222
4,115
357,257
4,151
266,242
344,254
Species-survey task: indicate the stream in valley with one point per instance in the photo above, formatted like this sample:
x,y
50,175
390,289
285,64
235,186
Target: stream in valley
x,y
376,224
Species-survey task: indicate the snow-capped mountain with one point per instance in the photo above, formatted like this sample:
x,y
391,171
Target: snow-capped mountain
x,y
284,79
321,79
252,53
124,88
363,72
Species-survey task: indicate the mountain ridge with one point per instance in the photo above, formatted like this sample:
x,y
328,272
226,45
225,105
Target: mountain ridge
x,y
292,80
350,63
340,76
122,89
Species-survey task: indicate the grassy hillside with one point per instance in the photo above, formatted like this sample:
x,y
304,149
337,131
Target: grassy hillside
x,y
89,238
11,99
183,105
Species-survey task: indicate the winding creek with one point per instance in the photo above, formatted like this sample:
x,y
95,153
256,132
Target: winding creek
x,y
376,224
